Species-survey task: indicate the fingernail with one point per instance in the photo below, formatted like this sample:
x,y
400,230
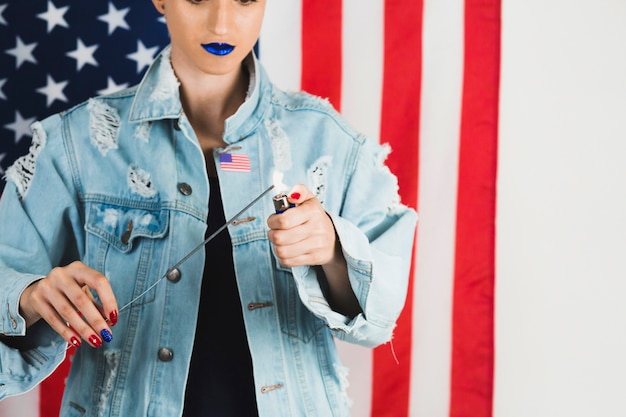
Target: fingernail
x,y
113,317
95,341
295,196
74,341
106,335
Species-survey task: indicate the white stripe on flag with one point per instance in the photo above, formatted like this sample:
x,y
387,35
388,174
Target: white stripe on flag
x,y
442,76
361,93
280,43
363,59
25,405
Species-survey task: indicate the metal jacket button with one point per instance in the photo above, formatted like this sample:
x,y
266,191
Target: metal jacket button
x,y
184,188
165,354
128,233
173,275
126,237
254,306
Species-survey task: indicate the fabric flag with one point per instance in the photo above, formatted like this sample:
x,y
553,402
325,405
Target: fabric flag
x,y
234,162
422,76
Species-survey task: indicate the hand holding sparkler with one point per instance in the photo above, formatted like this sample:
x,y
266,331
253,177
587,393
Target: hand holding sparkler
x,y
64,300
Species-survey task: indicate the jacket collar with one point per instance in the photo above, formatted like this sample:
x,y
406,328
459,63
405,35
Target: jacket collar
x,y
158,97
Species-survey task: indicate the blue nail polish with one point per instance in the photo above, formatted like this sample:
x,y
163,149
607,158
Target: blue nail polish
x,y
106,335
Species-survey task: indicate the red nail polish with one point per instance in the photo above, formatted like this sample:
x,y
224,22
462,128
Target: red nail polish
x,y
295,196
74,341
95,341
113,317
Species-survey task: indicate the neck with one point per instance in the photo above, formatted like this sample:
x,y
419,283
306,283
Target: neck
x,y
208,100
214,95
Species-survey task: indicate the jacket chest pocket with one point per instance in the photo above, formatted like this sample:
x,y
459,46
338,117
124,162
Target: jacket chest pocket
x,y
127,244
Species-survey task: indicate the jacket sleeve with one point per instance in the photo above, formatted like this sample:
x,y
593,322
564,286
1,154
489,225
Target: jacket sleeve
x,y
377,234
38,223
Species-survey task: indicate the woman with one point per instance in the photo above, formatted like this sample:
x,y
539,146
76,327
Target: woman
x,y
102,220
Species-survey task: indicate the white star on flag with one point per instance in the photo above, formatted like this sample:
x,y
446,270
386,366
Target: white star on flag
x,y
115,18
112,87
144,56
2,96
22,52
2,155
83,55
54,17
53,91
55,54
20,126
2,21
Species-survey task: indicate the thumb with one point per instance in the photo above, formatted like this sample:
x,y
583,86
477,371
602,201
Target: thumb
x,y
299,194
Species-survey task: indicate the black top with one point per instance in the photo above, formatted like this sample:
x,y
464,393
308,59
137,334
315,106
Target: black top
x,y
220,380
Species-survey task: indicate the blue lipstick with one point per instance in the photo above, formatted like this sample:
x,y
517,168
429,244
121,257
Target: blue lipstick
x,y
218,48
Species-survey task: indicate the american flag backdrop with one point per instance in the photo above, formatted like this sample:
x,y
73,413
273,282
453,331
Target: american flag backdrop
x,y
367,59
510,311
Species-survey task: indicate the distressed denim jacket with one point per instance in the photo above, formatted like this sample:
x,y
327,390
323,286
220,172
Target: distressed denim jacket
x,y
120,184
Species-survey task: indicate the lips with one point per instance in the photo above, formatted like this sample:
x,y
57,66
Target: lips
x,y
218,48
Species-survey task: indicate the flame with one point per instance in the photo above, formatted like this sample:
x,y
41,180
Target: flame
x,y
277,179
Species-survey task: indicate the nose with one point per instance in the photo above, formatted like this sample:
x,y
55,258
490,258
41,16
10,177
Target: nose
x,y
220,16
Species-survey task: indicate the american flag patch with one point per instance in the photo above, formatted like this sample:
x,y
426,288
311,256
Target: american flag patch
x,y
234,163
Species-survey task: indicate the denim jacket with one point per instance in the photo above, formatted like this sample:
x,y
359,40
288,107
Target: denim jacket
x,y
120,183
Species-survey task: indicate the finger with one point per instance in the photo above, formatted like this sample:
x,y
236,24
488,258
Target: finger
x,y
300,193
282,221
77,323
284,237
90,318
50,297
299,196
314,241
91,297
298,225
52,317
75,339
89,293
293,217
313,258
82,315
100,284
68,285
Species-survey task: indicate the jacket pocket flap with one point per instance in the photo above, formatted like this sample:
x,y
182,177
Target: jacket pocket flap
x,y
120,226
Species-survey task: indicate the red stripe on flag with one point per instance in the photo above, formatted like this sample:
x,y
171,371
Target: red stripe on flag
x,y
51,389
322,48
473,298
400,128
